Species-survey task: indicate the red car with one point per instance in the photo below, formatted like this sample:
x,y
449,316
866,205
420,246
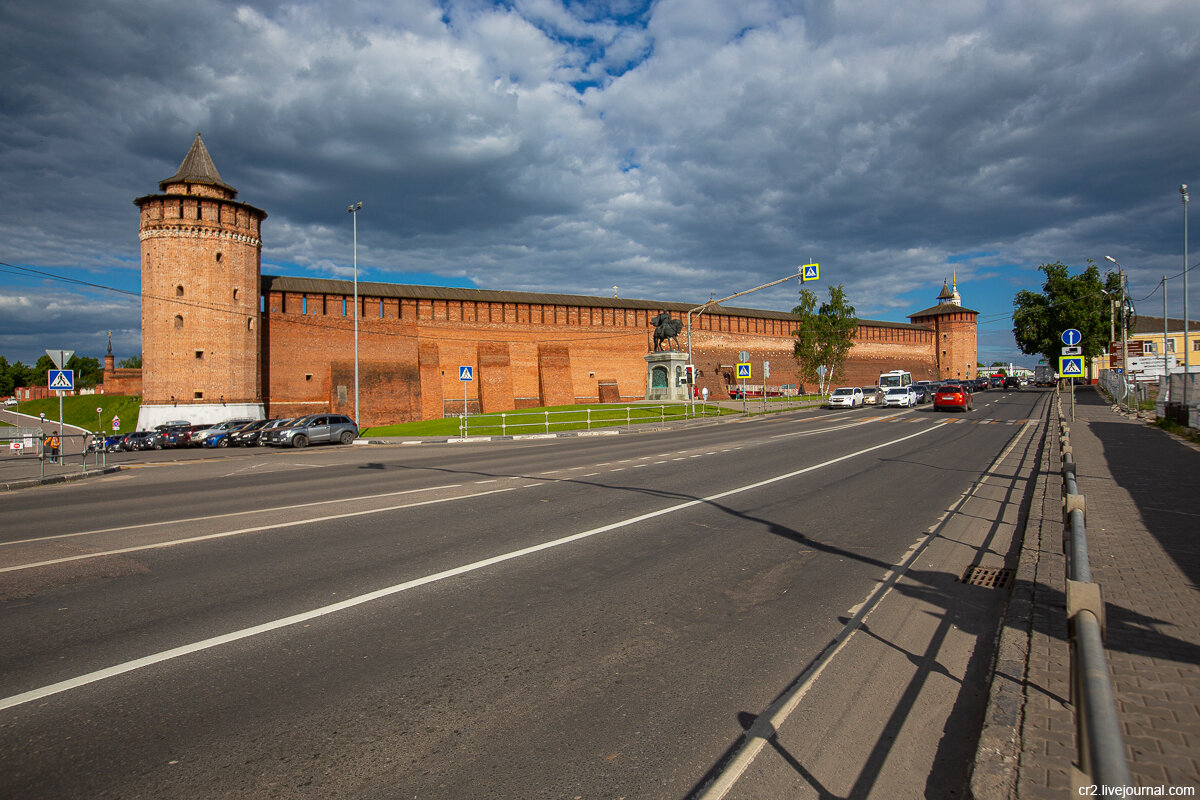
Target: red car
x,y
952,395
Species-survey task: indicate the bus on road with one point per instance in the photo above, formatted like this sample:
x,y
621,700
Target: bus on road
x,y
896,377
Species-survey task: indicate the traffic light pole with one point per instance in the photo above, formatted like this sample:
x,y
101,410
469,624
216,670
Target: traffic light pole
x,y
709,305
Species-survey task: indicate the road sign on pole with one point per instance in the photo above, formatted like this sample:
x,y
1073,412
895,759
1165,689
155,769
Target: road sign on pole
x,y
1071,337
1070,366
60,357
62,380
1072,351
743,372
810,272
466,374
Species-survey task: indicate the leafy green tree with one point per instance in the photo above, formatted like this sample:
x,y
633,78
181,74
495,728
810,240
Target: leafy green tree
x,y
41,372
824,335
7,383
1066,301
88,371
133,362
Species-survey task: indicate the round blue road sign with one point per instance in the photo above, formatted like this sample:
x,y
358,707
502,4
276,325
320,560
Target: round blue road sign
x,y
1071,337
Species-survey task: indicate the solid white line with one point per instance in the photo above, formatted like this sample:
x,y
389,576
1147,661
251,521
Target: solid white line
x,y
230,514
256,529
768,723
266,627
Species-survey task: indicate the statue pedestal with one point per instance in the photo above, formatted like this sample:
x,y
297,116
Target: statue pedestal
x,y
664,376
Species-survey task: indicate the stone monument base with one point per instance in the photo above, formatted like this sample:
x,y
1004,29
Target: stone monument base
x,y
664,376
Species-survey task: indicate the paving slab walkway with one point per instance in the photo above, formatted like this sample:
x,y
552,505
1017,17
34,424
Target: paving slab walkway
x,y
1142,490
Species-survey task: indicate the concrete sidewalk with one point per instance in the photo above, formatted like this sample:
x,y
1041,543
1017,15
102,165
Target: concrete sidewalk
x,y
1142,489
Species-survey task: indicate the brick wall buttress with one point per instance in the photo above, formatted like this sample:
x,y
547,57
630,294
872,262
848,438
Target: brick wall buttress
x,y
432,381
554,375
495,378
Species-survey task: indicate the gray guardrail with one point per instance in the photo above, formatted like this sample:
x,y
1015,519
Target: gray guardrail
x,y
1101,750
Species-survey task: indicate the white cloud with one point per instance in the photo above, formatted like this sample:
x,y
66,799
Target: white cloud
x,y
713,146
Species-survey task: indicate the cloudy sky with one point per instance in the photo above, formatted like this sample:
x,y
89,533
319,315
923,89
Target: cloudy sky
x,y
676,149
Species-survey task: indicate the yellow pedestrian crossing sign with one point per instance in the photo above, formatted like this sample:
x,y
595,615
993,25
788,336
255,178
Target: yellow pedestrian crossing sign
x,y
1070,366
743,371
810,272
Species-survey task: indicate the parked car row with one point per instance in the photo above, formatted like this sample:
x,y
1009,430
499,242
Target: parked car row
x,y
297,432
922,392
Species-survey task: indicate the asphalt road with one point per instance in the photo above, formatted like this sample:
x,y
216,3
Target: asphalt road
x,y
557,618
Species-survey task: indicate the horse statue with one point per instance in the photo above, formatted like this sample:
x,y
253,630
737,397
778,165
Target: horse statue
x,y
666,330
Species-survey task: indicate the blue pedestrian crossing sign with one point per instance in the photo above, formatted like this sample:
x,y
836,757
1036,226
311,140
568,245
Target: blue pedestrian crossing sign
x,y
1071,337
465,374
62,380
810,272
1070,366
743,371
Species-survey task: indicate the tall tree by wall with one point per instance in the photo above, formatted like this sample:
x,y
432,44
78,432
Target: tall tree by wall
x,y
1066,301
824,335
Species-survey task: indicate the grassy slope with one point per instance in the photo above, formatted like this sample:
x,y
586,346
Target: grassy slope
x,y
81,410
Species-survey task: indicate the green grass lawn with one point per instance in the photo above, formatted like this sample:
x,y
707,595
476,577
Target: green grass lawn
x,y
81,410
550,419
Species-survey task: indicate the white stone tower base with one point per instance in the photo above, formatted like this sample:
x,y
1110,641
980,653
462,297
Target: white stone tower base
x,y
196,413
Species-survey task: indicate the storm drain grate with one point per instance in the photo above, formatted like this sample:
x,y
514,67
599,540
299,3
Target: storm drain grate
x,y
989,577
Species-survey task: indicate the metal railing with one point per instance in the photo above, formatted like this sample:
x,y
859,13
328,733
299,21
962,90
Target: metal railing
x,y
517,423
1123,392
29,452
1101,750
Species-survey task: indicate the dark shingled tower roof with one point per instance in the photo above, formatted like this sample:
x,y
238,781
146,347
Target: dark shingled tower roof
x,y
197,167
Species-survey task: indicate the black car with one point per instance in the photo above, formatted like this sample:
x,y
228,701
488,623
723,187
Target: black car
x,y
171,434
1012,382
248,435
142,440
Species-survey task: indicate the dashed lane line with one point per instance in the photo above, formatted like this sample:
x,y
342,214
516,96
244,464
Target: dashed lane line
x,y
295,619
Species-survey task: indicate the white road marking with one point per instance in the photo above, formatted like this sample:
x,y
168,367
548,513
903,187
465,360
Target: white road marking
x,y
227,515
295,619
764,727
256,529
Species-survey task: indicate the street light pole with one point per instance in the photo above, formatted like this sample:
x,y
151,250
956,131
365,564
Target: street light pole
x,y
702,308
1187,348
354,209
1124,326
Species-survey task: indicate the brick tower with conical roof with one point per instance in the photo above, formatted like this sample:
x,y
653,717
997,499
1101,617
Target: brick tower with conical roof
x,y
955,333
201,261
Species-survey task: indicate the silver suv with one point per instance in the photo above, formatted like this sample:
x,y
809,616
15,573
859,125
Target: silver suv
x,y
314,429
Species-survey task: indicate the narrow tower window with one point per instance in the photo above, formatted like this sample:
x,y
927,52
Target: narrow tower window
x,y
179,291
178,322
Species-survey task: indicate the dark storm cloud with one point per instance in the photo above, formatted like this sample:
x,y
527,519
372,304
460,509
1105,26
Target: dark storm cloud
x,y
674,149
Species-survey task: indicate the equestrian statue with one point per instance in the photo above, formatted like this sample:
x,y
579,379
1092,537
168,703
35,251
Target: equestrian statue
x,y
666,330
